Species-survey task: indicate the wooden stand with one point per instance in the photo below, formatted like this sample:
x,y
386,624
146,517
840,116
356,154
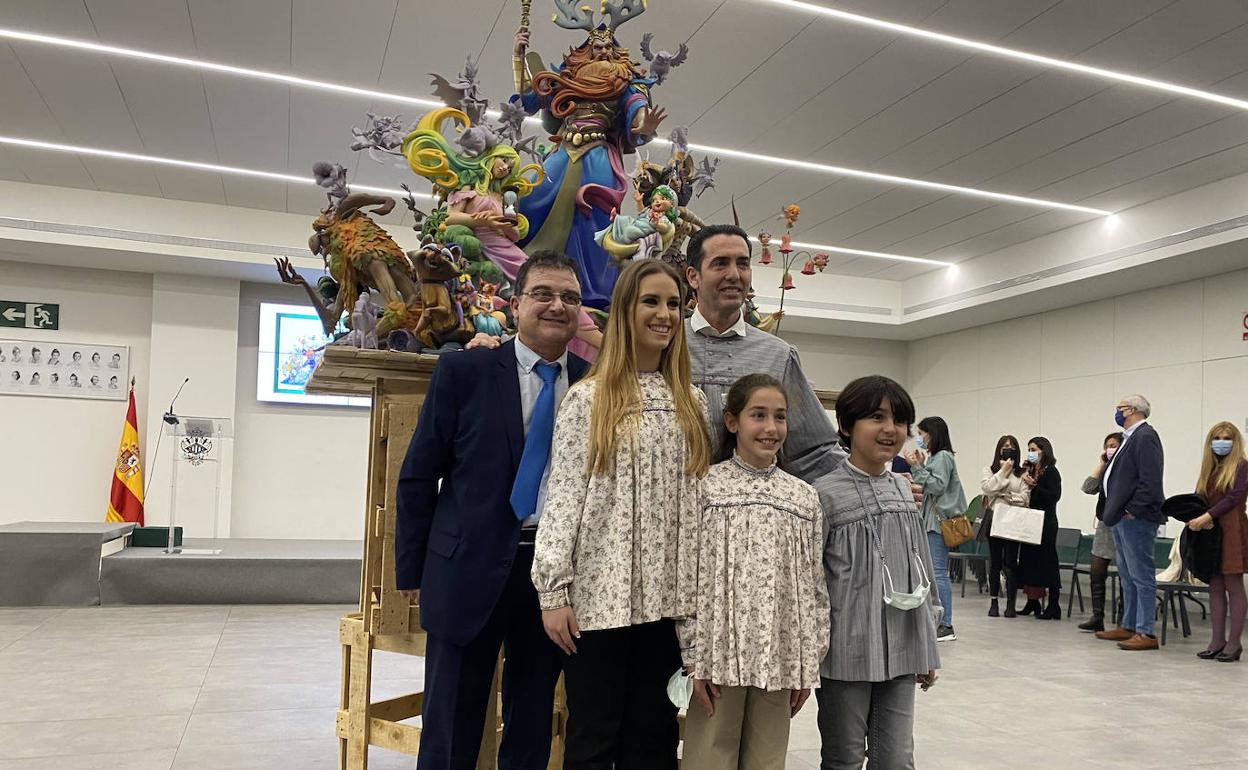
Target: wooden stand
x,y
387,621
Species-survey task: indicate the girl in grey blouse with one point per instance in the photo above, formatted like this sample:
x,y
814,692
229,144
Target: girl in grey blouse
x,y
880,585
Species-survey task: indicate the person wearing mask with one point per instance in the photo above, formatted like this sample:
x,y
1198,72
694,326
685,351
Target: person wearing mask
x,y
1038,570
1129,503
943,498
616,557
1224,482
1001,483
1102,540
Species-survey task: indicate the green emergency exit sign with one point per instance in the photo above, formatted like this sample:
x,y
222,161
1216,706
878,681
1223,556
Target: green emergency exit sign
x,y
29,315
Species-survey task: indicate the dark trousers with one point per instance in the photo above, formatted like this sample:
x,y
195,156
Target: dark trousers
x,y
458,678
619,715
1002,555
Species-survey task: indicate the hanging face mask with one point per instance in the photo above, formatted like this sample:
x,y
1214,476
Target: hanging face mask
x,y
919,442
1221,446
902,600
1110,452
680,689
1119,418
1033,457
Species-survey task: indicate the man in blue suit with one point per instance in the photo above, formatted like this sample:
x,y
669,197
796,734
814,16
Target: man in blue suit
x,y
1130,504
469,499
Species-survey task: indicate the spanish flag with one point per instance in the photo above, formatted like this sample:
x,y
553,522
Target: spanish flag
x,y
125,501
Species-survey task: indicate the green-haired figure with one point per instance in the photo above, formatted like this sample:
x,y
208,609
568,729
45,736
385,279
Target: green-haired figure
x,y
479,192
646,235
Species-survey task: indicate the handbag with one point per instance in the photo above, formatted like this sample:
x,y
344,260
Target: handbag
x,y
1023,525
956,531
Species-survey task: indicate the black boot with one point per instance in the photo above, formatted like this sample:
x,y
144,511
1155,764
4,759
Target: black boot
x,y
994,609
1054,610
1011,594
1032,605
1097,621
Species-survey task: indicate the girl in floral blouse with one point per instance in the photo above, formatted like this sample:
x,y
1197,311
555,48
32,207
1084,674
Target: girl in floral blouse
x,y
629,449
761,628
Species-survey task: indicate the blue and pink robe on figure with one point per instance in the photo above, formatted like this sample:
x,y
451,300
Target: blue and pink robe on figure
x,y
576,198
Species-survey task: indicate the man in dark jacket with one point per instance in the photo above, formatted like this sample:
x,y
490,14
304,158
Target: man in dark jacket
x,y
469,500
1130,504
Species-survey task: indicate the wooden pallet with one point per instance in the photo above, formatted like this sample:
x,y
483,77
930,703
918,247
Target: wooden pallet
x,y
386,619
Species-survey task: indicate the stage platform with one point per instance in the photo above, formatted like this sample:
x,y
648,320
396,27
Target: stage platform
x,y
239,571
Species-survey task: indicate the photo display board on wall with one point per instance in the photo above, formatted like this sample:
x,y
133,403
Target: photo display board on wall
x,y
64,369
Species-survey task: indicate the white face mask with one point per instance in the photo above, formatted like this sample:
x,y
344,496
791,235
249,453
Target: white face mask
x,y
906,601
680,689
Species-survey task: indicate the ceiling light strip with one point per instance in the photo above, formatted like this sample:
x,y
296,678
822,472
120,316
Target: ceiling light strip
x,y
901,180
202,64
191,164
84,45
864,253
1011,53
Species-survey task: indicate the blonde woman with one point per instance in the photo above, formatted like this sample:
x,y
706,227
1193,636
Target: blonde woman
x,y
629,450
1224,482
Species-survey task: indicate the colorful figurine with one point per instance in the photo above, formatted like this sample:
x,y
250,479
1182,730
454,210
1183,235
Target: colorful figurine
x,y
360,256
597,104
647,235
441,319
475,190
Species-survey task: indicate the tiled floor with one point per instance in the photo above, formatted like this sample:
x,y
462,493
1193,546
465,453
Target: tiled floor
x,y
231,688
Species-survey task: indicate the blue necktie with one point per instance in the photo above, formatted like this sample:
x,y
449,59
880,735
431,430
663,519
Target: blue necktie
x,y
536,445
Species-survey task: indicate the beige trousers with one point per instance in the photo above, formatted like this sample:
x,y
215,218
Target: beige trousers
x,y
749,731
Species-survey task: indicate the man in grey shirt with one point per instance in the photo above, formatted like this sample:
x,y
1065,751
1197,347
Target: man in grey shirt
x,y
723,348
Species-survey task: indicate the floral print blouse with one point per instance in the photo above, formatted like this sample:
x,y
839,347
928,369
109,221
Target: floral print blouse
x,y
610,545
761,596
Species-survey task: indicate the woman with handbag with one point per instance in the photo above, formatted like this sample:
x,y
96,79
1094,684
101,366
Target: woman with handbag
x,y
943,499
1038,570
1224,481
1002,484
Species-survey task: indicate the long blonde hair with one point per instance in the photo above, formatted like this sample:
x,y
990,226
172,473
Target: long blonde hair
x,y
617,398
1221,470
430,155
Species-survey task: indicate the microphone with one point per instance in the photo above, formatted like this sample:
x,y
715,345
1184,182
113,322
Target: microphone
x,y
170,417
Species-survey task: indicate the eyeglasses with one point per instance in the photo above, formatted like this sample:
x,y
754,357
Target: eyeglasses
x,y
546,296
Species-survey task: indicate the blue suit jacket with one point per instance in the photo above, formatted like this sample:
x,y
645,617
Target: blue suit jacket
x,y
456,534
1135,483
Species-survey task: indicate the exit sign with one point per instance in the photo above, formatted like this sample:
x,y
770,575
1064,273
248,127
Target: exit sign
x,y
30,315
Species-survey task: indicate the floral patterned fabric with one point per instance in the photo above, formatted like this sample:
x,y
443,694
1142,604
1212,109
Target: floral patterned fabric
x,y
616,547
761,597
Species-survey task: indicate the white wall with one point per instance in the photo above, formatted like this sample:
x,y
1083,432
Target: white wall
x,y
193,333
301,470
57,454
1059,374
831,362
